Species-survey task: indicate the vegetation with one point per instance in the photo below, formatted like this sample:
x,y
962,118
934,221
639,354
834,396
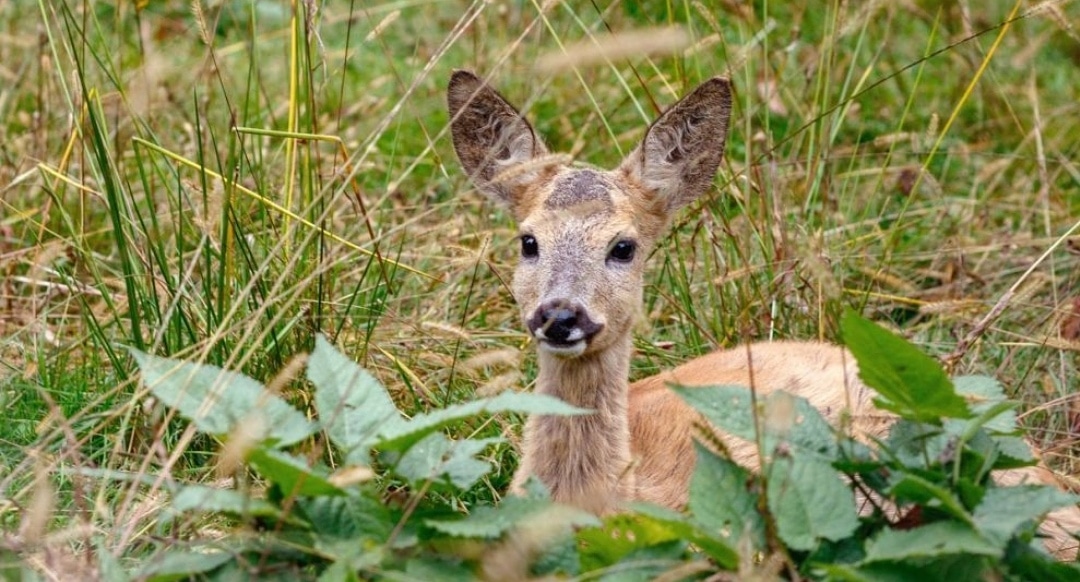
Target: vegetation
x,y
220,182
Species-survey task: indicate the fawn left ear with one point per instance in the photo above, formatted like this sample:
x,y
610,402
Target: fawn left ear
x,y
496,145
682,149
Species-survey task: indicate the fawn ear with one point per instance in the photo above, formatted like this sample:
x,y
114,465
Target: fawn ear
x,y
495,144
682,149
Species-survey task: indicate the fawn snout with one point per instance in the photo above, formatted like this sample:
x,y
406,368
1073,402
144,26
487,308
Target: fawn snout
x,y
563,326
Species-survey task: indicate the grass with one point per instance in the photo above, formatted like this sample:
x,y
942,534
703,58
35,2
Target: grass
x,y
220,180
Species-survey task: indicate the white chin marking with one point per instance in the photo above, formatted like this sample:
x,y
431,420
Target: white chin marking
x,y
564,350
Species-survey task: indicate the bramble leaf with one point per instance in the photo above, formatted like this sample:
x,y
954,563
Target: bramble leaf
x,y
909,382
218,401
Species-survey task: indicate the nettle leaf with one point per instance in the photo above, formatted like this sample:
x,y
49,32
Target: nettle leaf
x,y
918,444
1004,509
490,522
292,474
935,540
911,488
958,567
218,401
809,502
620,535
352,405
909,382
200,498
685,528
986,396
786,419
404,435
439,458
182,564
1015,452
351,519
359,415
1029,563
721,501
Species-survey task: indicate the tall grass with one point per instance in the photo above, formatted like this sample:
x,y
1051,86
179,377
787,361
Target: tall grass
x,y
220,180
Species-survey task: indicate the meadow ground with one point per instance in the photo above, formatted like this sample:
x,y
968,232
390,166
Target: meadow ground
x,y
218,181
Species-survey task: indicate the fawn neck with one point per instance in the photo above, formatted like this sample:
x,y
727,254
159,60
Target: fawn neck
x,y
584,460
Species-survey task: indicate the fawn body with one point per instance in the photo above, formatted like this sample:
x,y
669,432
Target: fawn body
x,y
585,235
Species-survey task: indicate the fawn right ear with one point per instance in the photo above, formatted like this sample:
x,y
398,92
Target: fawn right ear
x,y
493,141
678,159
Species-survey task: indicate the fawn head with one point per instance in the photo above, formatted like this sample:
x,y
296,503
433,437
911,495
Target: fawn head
x,y
585,233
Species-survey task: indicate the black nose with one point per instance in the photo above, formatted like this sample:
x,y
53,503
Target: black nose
x,y
562,322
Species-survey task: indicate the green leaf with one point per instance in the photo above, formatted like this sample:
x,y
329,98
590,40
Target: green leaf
x,y
200,498
682,526
1004,509
1030,563
909,382
809,502
404,435
985,396
619,536
359,415
937,539
439,458
293,475
957,567
352,405
721,502
181,565
218,401
353,518
1015,452
911,488
880,572
785,418
489,522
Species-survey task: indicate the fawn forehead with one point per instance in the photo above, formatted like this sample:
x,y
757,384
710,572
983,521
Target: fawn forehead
x,y
581,188
579,203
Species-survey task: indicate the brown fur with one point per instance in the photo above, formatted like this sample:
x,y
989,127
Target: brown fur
x,y
639,442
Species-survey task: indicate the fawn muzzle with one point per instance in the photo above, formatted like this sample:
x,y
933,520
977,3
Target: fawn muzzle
x,y
563,327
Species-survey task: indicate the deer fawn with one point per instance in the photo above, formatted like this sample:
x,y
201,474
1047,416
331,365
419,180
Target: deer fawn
x,y
585,235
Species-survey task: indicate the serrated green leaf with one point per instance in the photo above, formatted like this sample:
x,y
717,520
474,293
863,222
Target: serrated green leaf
x,y
879,572
809,502
293,475
935,540
983,394
359,415
352,405
619,536
721,503
439,458
1004,509
917,444
181,565
489,522
218,401
681,525
911,488
353,519
203,499
1029,563
402,436
957,567
1015,450
909,382
730,409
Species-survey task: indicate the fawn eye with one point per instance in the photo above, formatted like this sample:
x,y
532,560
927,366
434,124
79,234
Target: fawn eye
x,y
622,251
529,247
